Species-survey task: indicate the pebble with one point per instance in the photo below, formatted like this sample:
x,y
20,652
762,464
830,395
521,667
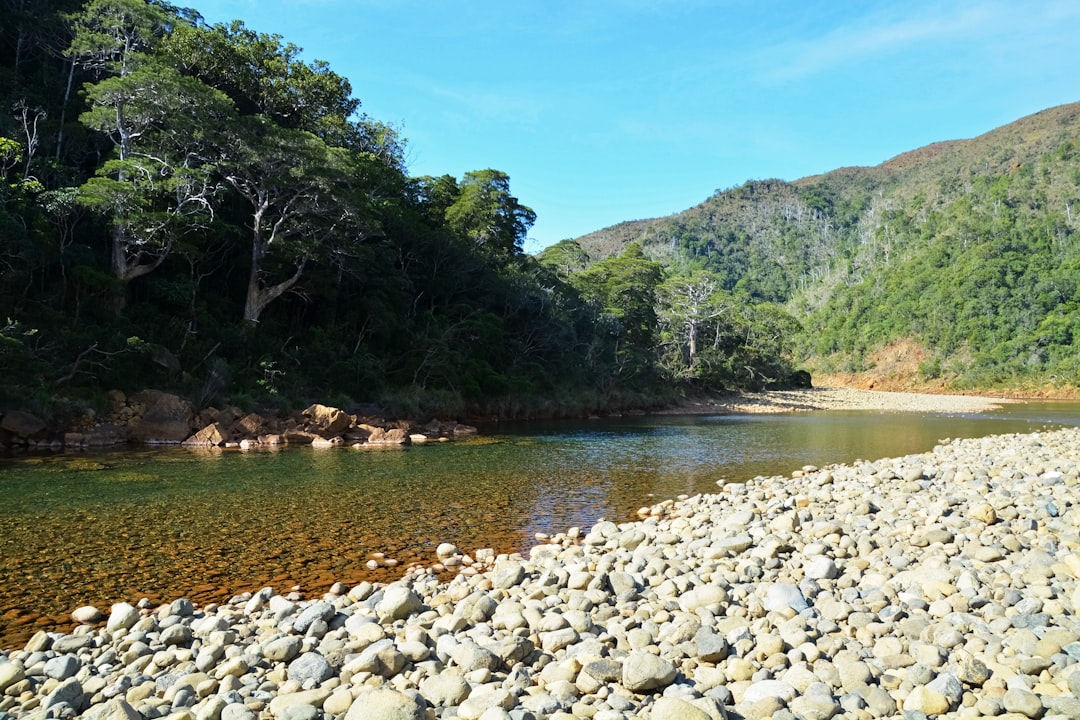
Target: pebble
x,y
87,614
122,617
943,584
310,667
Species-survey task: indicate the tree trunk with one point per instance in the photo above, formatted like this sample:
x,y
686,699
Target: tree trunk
x,y
693,333
63,109
119,268
258,297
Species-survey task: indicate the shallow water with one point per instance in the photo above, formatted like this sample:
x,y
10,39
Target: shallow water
x,y
100,528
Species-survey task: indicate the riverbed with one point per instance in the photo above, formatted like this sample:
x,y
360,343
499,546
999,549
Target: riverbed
x,y
98,528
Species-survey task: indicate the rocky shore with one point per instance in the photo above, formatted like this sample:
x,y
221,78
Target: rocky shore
x,y
152,417
943,584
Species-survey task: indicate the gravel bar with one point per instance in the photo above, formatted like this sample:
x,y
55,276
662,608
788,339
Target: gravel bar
x,y
839,398
938,585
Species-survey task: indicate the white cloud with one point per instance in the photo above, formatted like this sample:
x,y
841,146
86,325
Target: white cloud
x,y
1010,26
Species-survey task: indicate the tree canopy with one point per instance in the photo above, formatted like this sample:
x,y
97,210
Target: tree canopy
x,y
207,194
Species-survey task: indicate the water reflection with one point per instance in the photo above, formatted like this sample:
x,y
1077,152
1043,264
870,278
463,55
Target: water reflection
x,y
162,524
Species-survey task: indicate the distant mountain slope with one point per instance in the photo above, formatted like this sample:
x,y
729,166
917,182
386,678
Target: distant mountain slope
x,y
966,249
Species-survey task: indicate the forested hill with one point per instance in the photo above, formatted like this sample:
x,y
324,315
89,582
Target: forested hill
x,y
964,252
205,210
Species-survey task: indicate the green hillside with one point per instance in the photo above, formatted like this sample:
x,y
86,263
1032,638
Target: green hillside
x,y
966,250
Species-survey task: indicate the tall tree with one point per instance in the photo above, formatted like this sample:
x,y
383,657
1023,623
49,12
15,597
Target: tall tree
x,y
486,213
160,122
688,305
624,289
265,76
566,257
288,178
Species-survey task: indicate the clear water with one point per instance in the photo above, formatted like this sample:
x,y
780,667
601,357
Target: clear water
x,y
100,528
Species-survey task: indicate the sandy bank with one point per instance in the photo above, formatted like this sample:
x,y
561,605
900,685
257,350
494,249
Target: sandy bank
x,y
837,398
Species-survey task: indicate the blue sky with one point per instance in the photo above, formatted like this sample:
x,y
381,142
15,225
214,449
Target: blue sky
x,y
610,110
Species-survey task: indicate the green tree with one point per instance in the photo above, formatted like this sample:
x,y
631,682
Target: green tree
x,y
566,257
159,182
624,290
689,305
265,76
486,213
288,178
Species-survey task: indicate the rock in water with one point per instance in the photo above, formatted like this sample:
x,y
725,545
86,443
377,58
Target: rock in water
x,y
86,615
22,424
165,418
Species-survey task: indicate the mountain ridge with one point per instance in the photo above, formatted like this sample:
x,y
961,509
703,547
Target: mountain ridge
x,y
852,243
898,163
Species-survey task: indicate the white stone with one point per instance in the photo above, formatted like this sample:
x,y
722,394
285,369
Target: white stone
x,y
86,615
122,616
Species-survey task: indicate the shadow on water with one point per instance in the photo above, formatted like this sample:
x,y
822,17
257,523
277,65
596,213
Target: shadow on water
x,y
161,524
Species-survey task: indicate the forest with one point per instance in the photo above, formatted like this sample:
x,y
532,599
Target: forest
x,y
965,251
202,209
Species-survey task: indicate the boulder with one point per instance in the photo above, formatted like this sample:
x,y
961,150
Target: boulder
x,y
398,602
321,610
299,437
22,424
11,672
62,667
228,415
394,436
116,709
165,358
673,708
70,692
328,421
310,666
212,435
122,616
313,699
106,436
87,614
250,425
283,649
445,689
165,418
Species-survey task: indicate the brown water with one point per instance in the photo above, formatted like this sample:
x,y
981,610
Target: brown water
x,y
162,524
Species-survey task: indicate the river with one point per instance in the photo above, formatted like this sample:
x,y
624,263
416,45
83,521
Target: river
x,y
97,528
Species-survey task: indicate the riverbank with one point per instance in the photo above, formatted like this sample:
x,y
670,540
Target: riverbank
x,y
156,418
836,398
944,583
